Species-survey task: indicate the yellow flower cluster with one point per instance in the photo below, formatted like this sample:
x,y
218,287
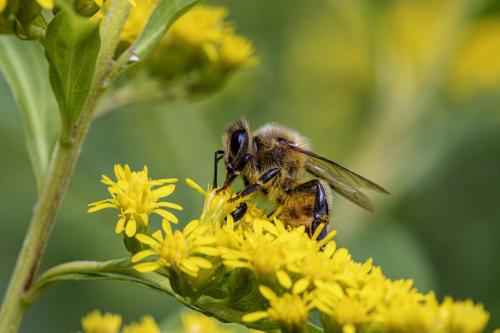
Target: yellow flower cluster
x,y
475,67
96,322
137,18
182,251
136,196
276,276
204,29
202,45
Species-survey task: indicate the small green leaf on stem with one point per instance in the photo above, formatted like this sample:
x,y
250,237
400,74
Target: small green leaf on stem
x,y
165,13
72,45
25,68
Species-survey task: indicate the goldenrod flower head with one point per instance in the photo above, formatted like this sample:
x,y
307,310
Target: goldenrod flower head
x,y
136,196
95,322
197,323
291,309
349,313
200,51
217,206
181,251
227,236
147,324
140,12
237,51
475,67
202,26
263,252
464,316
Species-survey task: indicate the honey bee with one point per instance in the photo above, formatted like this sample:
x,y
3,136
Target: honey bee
x,y
278,162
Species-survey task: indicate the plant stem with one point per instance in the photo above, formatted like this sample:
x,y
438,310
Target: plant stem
x,y
58,176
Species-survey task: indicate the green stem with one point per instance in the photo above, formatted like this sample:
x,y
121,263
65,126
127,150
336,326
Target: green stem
x,y
58,175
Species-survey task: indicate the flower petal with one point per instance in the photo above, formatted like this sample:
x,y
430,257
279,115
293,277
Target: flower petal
x,y
254,316
300,286
147,267
195,186
284,279
207,250
120,225
190,227
142,254
145,239
130,228
169,205
101,206
267,293
163,191
166,215
201,262
46,4
237,264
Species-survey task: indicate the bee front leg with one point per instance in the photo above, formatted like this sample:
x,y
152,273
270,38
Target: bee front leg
x,y
263,179
218,155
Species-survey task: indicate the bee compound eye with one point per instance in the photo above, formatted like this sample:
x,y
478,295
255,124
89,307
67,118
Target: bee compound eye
x,y
239,139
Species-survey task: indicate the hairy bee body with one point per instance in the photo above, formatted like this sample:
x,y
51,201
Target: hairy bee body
x,y
277,162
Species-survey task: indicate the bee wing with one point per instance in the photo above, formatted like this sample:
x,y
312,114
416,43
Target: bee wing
x,y
341,179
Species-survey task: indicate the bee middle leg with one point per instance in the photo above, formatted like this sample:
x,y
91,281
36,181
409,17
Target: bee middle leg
x,y
320,211
263,179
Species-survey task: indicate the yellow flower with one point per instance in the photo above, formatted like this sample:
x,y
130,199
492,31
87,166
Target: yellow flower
x,y
137,18
237,51
197,323
95,322
146,325
136,196
202,48
3,5
475,67
261,251
178,250
464,316
290,310
216,207
202,26
139,14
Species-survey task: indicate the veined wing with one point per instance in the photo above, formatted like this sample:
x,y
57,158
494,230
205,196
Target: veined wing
x,y
341,179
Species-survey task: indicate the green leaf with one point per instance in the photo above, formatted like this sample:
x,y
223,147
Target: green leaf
x,y
25,68
71,47
165,13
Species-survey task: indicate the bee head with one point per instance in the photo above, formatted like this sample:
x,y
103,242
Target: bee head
x,y
236,145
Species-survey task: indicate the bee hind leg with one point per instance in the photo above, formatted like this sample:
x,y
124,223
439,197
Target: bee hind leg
x,y
320,211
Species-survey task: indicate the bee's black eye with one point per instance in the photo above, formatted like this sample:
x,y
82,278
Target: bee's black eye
x,y
238,140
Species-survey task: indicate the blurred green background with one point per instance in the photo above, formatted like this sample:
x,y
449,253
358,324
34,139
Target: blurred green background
x,y
406,93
